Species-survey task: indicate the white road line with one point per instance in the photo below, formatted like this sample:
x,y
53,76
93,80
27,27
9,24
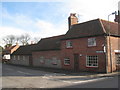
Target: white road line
x,y
68,81
23,72
86,81
45,77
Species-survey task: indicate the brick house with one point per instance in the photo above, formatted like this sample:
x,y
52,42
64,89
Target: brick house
x,y
23,55
88,46
8,51
1,48
85,47
48,52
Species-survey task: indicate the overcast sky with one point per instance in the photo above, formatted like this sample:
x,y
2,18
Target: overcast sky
x,y
45,18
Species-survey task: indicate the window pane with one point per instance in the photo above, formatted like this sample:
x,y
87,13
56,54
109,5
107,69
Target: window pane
x,y
91,41
92,61
68,44
67,61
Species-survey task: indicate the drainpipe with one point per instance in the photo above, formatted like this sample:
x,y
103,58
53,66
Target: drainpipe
x,y
110,40
106,53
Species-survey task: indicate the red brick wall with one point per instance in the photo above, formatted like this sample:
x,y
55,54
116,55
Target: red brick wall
x,y
80,46
48,57
114,46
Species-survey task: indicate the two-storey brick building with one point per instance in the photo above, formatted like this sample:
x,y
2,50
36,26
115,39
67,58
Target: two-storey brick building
x,y
88,46
91,46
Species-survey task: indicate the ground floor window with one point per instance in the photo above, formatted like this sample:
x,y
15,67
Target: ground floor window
x,y
92,61
18,57
117,58
23,57
54,61
14,57
42,60
67,61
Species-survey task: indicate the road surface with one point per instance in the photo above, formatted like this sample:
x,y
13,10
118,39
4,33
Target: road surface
x,y
22,77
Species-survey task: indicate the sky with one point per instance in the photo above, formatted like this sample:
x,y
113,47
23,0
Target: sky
x,y
46,18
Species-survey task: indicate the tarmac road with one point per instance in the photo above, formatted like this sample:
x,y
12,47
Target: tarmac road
x,y
22,77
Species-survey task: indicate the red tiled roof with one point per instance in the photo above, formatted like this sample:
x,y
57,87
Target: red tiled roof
x,y
25,50
86,29
8,49
91,28
110,26
51,43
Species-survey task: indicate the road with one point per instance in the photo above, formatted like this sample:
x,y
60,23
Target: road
x,y
22,77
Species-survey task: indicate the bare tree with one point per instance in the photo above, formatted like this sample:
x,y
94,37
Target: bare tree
x,y
24,39
36,39
17,39
9,39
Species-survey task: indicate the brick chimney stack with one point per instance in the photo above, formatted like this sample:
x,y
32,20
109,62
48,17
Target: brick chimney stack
x,y
72,19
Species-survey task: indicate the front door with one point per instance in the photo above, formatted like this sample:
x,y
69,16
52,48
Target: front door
x,y
76,62
30,61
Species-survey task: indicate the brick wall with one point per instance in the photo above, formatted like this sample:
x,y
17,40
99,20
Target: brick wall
x,y
20,61
114,46
80,46
47,59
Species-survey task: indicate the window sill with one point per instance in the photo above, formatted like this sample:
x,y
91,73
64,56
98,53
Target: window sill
x,y
42,63
69,47
54,63
66,64
91,46
91,66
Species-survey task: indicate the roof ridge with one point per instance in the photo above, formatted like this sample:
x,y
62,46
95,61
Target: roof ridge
x,y
94,20
28,45
102,25
108,21
52,37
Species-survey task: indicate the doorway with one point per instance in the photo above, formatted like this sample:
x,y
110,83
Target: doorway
x,y
76,62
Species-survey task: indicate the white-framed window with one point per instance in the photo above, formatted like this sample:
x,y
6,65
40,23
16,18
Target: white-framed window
x,y
23,57
18,57
67,61
68,44
54,61
14,57
118,59
92,61
42,60
91,42
27,57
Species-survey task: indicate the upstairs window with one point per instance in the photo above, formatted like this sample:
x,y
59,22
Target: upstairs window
x,y
67,61
91,42
68,44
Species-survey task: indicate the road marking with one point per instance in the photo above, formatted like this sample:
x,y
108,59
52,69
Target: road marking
x,y
86,81
45,77
23,72
67,81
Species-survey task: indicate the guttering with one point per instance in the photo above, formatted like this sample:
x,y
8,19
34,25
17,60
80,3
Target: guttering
x,y
84,36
